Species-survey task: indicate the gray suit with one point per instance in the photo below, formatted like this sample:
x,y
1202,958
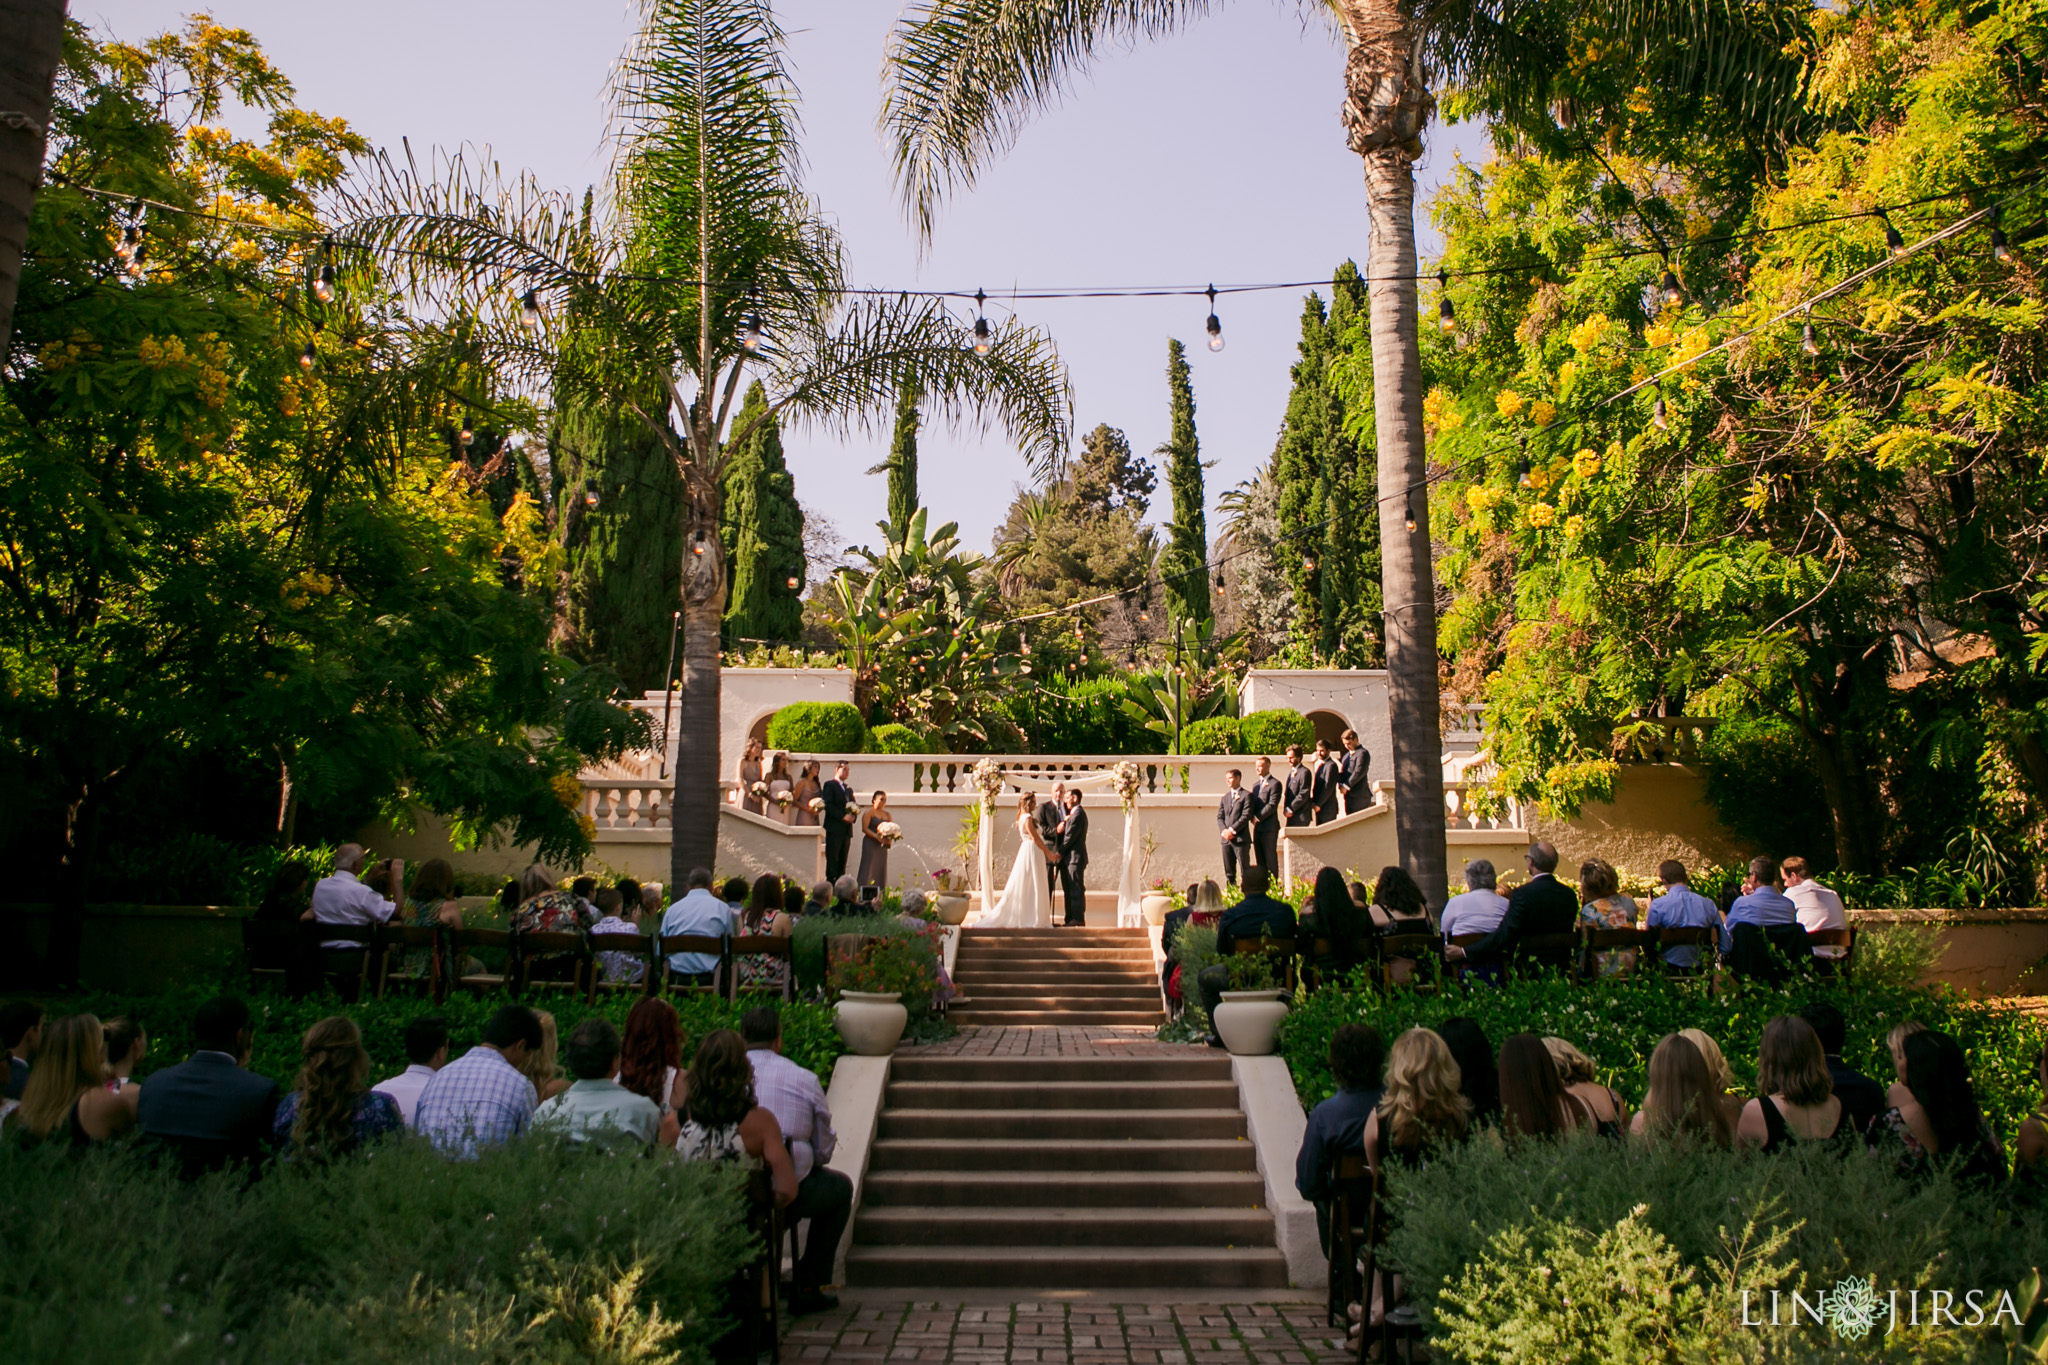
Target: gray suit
x,y
1234,817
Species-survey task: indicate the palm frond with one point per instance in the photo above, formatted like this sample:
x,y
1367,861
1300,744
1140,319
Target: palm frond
x,y
963,77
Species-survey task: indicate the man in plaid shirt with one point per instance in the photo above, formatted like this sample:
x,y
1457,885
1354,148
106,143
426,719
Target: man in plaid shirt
x,y
483,1099
823,1196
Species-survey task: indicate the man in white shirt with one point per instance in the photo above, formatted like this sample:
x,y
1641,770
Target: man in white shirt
x,y
698,912
344,899
823,1196
1817,907
1478,909
426,1048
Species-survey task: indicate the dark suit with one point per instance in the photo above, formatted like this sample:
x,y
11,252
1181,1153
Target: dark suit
x,y
1541,905
1252,917
838,834
1049,817
1326,792
1301,796
1265,821
1074,864
1353,770
1234,817
1863,1097
207,1112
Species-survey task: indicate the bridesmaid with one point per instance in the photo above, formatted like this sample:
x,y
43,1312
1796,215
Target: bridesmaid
x,y
874,849
808,788
749,773
780,783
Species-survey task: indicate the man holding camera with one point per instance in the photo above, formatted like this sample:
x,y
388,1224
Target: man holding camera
x,y
345,898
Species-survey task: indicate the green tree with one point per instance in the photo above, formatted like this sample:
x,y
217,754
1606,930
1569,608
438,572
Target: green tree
x,y
708,189
902,467
1183,563
762,530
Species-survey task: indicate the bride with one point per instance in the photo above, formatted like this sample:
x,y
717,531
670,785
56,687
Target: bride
x,y
1027,897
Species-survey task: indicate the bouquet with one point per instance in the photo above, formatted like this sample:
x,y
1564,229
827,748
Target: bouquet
x,y
944,879
889,831
817,805
759,789
1125,778
784,799
988,780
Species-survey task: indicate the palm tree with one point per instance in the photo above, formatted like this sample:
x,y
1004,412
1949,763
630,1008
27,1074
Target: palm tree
x,y
964,76
28,72
706,263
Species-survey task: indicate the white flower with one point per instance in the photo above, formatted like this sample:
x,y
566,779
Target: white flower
x,y
817,805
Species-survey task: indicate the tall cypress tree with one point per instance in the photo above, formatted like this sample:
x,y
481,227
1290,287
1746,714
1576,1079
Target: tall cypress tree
x,y
1183,563
763,531
623,557
902,467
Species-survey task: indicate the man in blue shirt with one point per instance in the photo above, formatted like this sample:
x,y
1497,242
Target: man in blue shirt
x,y
698,912
1762,903
1337,1125
1681,907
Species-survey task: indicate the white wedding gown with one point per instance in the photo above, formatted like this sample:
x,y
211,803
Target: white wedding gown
x,y
1026,902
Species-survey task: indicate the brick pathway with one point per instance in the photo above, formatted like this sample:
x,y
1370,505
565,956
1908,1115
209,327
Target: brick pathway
x,y
1050,1332
1051,1042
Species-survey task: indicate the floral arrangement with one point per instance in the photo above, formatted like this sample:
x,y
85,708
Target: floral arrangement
x,y
784,799
888,966
1125,778
817,805
988,780
943,878
759,789
889,831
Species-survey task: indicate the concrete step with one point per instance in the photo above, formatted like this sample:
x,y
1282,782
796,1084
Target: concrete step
x,y
1076,973
928,1225
1065,1189
973,1018
1001,1098
1057,934
1062,1155
1005,987
1192,1065
1046,1002
1247,1267
1051,954
1093,1124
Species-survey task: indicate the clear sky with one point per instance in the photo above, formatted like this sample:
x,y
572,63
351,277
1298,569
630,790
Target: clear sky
x,y
1215,155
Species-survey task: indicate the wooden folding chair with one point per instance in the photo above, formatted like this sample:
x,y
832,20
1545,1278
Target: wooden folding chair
x,y
1593,941
1827,964
395,941
1282,950
640,947
550,950
364,936
1350,1208
762,945
763,1300
268,941
1703,937
1465,967
1556,951
672,944
1412,960
496,942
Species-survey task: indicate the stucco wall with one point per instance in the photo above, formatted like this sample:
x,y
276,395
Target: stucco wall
x,y
1659,811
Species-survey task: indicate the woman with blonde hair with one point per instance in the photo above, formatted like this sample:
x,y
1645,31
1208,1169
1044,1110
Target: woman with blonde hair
x,y
1421,1104
1718,1071
331,1109
1580,1078
1208,899
1684,1096
66,1098
540,1067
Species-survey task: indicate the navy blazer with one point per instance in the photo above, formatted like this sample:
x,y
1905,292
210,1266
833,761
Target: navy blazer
x,y
1541,905
208,1110
1301,794
1254,917
1234,812
1264,800
1353,768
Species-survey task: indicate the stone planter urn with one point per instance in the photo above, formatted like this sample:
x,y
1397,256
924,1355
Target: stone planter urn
x,y
952,907
1248,1022
1155,905
869,1023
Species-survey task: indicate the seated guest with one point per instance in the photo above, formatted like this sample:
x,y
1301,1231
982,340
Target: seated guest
x,y
342,898
722,1120
426,1051
1254,916
1603,906
651,1057
617,915
1761,904
1863,1095
762,917
431,906
1398,906
734,893
21,1028
824,1197
1719,1071
1895,1042
629,894
1540,905
1478,1078
911,915
1421,1106
1333,928
1684,1099
540,1068
651,901
583,888
1680,907
819,901
1817,907
596,1111
545,910
127,1045
2030,1155
1258,915
846,896
1479,908
330,1112
1581,1081
793,901
1935,1119
66,1099
208,1112
1533,1102
1337,1125
1796,1101
699,913
1205,899
483,1098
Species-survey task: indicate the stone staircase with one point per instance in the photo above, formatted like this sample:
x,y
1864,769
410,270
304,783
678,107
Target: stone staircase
x,y
1063,1172
1073,977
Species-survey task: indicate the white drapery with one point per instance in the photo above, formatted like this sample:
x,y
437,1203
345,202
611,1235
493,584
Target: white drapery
x,y
1128,892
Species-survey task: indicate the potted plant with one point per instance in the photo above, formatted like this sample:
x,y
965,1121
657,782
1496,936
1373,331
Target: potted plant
x,y
1249,1014
949,898
1158,899
872,983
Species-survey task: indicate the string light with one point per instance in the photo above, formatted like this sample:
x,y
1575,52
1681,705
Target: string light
x,y
1446,316
1673,295
131,243
981,337
750,337
1657,415
135,269
1309,564
323,281
2000,251
1408,511
529,310
308,357
1522,466
465,437
1808,342
1219,579
1214,324
697,545
1893,242
792,580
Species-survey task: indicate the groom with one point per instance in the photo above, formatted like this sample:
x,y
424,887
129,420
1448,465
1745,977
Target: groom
x,y
1074,857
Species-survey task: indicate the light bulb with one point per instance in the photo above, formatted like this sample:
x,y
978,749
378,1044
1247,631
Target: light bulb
x,y
529,309
792,581
750,337
307,357
1408,511
1144,616
1657,415
1893,242
135,269
323,287
1446,316
590,497
466,437
1214,326
2000,252
1669,286
1522,468
1309,564
1808,342
131,242
982,343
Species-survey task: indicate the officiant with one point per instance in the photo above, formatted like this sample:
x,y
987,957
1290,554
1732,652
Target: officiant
x,y
1051,814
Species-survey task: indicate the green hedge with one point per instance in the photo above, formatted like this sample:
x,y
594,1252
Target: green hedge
x,y
817,727
533,1253
1270,732
898,739
1216,735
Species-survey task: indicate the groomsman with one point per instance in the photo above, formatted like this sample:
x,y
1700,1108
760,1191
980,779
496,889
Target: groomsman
x,y
1074,857
1051,814
1233,826
839,817
1352,770
1325,783
1301,790
1264,809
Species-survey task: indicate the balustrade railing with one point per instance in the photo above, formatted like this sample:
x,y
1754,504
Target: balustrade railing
x,y
614,803
1461,810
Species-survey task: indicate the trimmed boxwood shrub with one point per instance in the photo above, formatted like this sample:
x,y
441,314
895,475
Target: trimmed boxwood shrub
x,y
817,727
897,739
1270,732
1216,735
